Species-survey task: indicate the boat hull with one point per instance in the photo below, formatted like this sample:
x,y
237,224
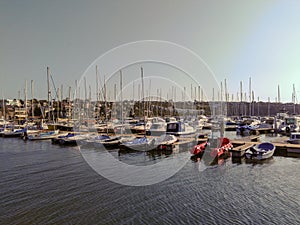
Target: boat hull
x,y
261,151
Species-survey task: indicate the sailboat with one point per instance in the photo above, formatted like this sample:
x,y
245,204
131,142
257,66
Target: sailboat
x,y
43,135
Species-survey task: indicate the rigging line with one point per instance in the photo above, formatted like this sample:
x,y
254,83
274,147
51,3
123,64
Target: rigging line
x,y
56,97
101,88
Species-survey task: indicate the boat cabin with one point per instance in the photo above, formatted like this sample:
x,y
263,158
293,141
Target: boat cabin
x,y
291,124
294,138
179,128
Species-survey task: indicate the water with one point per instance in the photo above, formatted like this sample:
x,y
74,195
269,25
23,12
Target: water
x,y
43,183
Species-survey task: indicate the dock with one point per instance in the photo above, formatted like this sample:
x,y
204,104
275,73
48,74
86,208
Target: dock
x,y
239,150
282,148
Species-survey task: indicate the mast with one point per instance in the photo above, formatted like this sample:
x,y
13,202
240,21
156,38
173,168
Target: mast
x,y
268,106
25,93
184,98
76,100
97,85
105,103
241,94
213,102
49,92
221,98
241,90
3,107
89,101
69,108
226,96
175,95
121,89
32,105
278,93
253,103
139,92
61,99
257,106
58,101
294,98
249,96
157,94
161,104
85,90
149,100
133,98
85,98
143,96
226,91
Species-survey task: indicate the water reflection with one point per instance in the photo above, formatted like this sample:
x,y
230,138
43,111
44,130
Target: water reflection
x,y
259,162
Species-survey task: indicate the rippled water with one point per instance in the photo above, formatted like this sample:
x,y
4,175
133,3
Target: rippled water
x,y
43,183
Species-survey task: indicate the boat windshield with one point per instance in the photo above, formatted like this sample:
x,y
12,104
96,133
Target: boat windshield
x,y
173,127
296,136
156,126
290,121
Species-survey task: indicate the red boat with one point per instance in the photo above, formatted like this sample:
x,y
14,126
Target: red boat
x,y
199,149
223,150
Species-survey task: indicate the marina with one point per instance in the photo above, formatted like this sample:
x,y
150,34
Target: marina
x,y
149,112
140,146
41,179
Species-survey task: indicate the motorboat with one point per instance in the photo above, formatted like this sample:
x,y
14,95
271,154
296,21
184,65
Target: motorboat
x,y
139,144
18,132
261,151
179,128
110,141
157,129
246,130
165,142
223,151
290,124
294,138
198,150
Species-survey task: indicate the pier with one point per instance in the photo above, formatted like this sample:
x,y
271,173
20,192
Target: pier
x,y
282,148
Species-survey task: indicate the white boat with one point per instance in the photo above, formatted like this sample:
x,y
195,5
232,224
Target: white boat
x,y
139,144
140,127
290,124
3,122
260,151
43,135
180,128
157,129
112,141
69,139
199,123
165,142
13,132
294,138
156,126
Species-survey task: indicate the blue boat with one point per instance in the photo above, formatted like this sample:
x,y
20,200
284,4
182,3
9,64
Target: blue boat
x,y
261,151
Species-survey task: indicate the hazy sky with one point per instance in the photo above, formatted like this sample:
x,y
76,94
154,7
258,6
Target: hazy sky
x,y
237,39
